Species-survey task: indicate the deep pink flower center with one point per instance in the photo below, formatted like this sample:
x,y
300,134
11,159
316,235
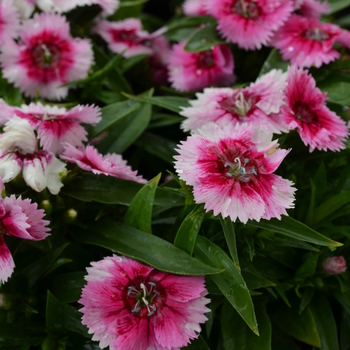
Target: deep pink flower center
x,y
129,37
303,112
245,8
46,56
145,299
238,105
205,60
316,34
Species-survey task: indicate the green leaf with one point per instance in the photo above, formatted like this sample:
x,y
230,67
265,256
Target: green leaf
x,y
255,281
325,323
110,190
308,268
129,62
67,287
237,335
330,206
281,341
113,113
308,294
337,92
273,61
230,282
230,236
163,119
139,214
204,38
197,344
146,248
38,268
187,233
343,298
61,317
337,5
184,22
290,227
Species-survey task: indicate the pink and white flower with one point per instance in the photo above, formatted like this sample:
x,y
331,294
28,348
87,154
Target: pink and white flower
x,y
45,57
249,23
9,23
125,37
197,70
231,171
334,265
128,305
307,41
57,125
313,8
195,7
18,218
307,112
258,104
111,164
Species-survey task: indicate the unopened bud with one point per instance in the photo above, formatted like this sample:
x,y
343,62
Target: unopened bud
x,y
46,205
70,216
334,265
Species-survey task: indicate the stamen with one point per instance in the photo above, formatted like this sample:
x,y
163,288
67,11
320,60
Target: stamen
x,y
132,290
143,287
136,308
145,301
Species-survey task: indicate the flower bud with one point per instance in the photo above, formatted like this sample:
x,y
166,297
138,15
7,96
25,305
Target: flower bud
x,y
334,265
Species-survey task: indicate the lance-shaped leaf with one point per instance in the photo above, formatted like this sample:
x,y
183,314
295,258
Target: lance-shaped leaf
x,y
139,214
230,282
230,236
146,248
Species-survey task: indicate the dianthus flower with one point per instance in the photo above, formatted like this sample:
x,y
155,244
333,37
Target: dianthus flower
x,y
195,7
111,164
306,111
249,23
231,171
197,70
9,24
258,104
19,152
313,8
125,36
108,6
25,8
57,125
334,265
45,57
307,41
128,305
18,218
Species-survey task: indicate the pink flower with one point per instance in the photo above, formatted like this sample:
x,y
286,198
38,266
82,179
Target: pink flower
x,y
46,57
334,265
9,24
111,164
306,41
313,8
128,305
55,125
125,37
249,23
195,71
19,218
306,111
195,7
231,169
258,104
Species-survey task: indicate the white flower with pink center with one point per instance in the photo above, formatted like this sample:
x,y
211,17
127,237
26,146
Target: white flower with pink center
x,y
18,218
108,6
128,305
45,57
9,23
231,171
195,7
307,112
249,23
111,164
57,125
307,41
125,37
198,70
258,104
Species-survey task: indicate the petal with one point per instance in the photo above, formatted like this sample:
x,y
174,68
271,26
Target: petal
x,y
7,264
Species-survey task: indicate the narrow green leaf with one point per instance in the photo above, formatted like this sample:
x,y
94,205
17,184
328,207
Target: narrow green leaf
x,y
204,38
290,227
61,317
139,214
163,119
67,287
337,5
113,113
310,211
281,341
343,298
129,62
230,236
187,233
330,206
230,282
237,335
308,294
325,323
146,248
110,190
255,281
308,268
38,268
184,22
273,61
